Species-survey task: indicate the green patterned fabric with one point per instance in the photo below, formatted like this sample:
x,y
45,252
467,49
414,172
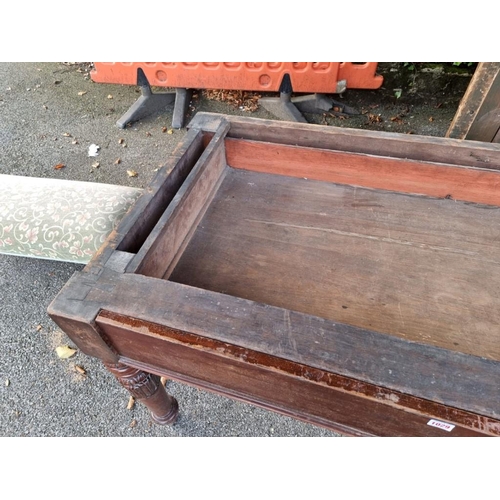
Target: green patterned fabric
x,y
59,219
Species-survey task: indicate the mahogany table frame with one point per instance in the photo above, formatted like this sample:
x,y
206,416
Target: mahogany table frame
x,y
119,308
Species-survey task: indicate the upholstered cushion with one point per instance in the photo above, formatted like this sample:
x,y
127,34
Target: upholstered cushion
x,y
58,219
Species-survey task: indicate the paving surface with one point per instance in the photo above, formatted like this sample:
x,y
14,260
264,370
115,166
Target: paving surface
x,y
50,113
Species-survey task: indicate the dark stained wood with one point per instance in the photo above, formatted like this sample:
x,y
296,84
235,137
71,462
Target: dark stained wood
x,y
365,310
147,389
411,147
422,269
161,249
478,115
390,174
421,370
76,317
136,226
312,395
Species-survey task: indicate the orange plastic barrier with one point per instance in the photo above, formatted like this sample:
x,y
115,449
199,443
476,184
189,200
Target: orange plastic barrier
x,y
320,77
360,75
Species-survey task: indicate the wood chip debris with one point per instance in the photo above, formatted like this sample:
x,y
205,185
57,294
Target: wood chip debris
x,y
132,173
117,161
241,99
163,381
7,382
121,141
133,423
38,328
83,92
96,164
66,134
59,166
131,403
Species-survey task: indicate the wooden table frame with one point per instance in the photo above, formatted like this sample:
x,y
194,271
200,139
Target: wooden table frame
x,y
129,308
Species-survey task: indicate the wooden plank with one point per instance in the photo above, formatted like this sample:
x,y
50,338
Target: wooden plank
x,y
451,378
478,115
476,185
165,242
311,395
135,227
422,269
412,147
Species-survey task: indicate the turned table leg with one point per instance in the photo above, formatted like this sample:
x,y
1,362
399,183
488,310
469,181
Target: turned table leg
x,y
148,389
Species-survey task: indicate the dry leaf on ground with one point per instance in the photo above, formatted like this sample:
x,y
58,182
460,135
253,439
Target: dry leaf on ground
x,y
118,161
80,369
132,173
59,166
65,351
38,328
246,101
83,92
96,164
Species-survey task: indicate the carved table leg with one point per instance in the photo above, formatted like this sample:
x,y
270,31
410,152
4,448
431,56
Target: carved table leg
x,y
148,389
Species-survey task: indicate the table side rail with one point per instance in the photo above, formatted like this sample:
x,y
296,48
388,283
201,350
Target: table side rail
x,y
318,397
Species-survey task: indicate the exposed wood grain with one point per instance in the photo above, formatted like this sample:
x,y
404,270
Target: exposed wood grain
x,y
405,176
364,310
422,370
412,147
312,395
423,269
478,115
165,242
135,227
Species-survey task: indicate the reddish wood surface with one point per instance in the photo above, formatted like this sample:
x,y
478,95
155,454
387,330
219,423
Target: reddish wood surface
x,y
417,268
385,144
305,363
311,395
148,389
388,174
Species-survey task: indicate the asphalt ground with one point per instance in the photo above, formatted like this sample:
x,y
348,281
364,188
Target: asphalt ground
x,y
49,114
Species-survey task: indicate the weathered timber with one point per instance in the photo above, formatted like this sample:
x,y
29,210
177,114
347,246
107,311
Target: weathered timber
x,y
346,278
